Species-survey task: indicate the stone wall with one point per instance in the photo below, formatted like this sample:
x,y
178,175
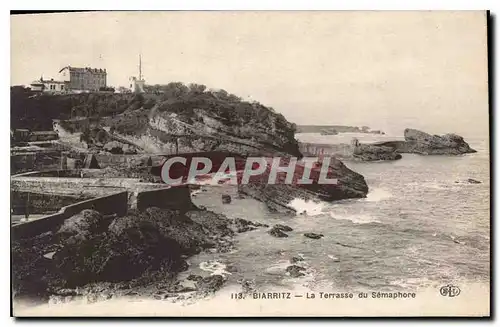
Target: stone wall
x,y
76,185
338,150
178,198
41,203
127,160
33,161
109,204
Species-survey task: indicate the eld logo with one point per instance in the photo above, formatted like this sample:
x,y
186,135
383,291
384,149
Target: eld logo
x,y
450,290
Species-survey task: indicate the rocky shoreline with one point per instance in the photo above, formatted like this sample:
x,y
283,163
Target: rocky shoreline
x,y
416,142
137,255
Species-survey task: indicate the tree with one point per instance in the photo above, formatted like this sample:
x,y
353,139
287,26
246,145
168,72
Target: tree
x,y
197,88
174,90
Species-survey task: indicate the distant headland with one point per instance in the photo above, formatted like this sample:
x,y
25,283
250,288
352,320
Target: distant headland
x,y
335,129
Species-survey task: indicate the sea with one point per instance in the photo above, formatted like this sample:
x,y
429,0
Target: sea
x,y
421,225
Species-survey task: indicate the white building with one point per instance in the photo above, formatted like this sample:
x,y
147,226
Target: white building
x,y
137,84
48,86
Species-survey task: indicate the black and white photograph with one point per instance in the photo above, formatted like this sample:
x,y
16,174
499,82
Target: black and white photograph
x,y
250,164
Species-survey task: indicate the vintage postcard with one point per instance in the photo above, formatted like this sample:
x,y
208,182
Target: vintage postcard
x,y
272,163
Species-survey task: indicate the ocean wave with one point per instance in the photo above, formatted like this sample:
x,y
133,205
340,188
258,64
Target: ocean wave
x,y
311,208
214,267
436,185
355,218
413,283
334,258
279,268
378,194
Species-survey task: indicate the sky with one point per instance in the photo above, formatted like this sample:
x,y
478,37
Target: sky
x,y
387,70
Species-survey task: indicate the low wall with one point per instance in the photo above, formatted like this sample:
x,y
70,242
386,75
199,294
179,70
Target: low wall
x,y
28,183
33,161
177,198
110,204
39,203
114,160
131,160
51,173
338,150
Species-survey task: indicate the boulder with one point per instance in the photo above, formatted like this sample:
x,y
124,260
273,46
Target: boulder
x,y
247,285
226,198
242,225
276,232
194,277
81,227
210,284
214,224
283,228
314,236
296,259
295,271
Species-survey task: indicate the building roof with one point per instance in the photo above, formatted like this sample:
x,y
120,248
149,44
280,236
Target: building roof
x,y
84,69
44,81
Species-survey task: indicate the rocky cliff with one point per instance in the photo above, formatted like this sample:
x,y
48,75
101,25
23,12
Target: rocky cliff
x,y
423,143
278,196
180,119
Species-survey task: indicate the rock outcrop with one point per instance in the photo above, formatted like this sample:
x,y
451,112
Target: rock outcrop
x,y
295,271
240,225
313,236
141,249
276,231
423,143
278,196
371,152
226,198
284,228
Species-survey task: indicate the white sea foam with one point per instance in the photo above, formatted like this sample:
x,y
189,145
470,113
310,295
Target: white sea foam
x,y
214,267
355,218
309,208
378,194
278,268
195,192
334,258
436,186
213,179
